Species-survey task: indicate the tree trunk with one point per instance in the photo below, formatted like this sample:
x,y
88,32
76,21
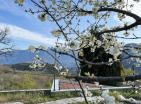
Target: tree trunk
x,y
99,70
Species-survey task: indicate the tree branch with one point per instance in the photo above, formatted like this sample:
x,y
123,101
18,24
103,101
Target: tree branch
x,y
134,16
106,79
120,28
130,14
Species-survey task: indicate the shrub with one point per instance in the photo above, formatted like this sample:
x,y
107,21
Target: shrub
x,y
126,72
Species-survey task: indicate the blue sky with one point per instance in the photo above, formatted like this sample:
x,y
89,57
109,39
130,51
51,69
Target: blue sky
x,y
13,16
27,30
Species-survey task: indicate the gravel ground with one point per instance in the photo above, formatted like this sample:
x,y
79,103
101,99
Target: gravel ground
x,y
68,100
73,100
13,103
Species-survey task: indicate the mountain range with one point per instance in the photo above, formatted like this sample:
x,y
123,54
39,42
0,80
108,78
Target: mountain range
x,y
26,56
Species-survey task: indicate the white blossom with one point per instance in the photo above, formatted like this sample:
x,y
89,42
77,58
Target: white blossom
x,y
87,92
56,33
99,43
137,60
136,91
74,45
32,49
87,73
121,16
33,66
42,17
114,51
110,60
43,47
37,63
81,53
95,10
93,49
132,59
60,47
120,97
20,2
58,67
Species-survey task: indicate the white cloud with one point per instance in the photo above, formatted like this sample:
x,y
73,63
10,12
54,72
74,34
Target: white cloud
x,y
20,33
136,9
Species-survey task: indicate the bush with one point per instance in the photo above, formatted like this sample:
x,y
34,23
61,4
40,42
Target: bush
x,y
127,72
127,93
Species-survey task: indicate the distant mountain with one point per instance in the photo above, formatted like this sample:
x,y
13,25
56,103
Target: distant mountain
x,y
130,63
25,56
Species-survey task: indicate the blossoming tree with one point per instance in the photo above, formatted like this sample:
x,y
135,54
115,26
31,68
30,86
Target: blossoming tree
x,y
91,28
5,45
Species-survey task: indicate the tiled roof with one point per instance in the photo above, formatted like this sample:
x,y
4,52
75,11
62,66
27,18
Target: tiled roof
x,y
68,84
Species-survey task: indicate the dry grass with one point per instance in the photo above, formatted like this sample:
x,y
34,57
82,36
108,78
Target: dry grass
x,y
26,98
12,80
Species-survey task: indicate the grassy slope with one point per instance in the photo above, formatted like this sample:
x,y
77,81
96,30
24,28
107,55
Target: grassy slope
x,y
12,80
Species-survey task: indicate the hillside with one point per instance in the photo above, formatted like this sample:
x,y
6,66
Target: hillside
x,y
13,79
49,68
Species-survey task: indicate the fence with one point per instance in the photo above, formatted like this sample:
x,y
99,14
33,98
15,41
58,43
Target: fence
x,y
70,90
